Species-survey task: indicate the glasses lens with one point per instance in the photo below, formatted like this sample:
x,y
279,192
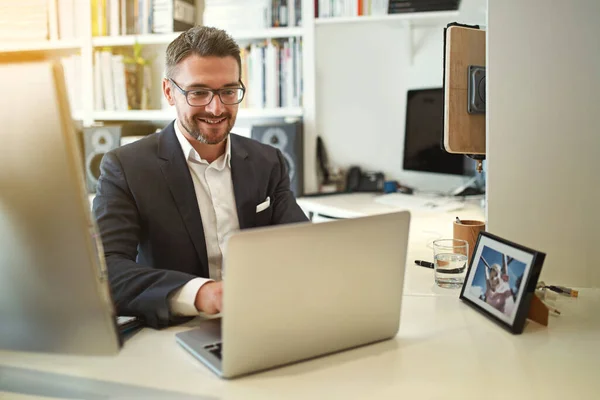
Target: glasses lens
x,y
199,97
231,96
203,97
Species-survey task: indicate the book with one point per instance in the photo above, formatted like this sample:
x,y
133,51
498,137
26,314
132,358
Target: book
x,y
407,6
173,15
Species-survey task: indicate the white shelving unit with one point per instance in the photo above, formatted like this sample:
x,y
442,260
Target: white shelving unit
x,y
165,115
48,45
166,38
130,40
163,40
87,44
422,17
407,21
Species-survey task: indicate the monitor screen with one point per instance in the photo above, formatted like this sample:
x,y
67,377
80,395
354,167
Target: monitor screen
x,y
423,135
54,293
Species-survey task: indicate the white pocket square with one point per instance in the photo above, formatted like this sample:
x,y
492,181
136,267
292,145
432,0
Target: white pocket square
x,y
264,205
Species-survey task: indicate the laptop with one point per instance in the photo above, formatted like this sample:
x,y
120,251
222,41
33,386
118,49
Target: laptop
x,y
298,291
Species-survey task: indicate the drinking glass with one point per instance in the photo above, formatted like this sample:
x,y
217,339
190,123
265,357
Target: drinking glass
x,y
450,262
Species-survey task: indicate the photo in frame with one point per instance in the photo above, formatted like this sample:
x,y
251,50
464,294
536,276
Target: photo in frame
x,y
501,280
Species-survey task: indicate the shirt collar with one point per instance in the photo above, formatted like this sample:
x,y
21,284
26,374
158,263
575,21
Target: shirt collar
x,y
191,154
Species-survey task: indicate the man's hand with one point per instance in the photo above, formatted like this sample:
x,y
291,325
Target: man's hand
x,y
209,298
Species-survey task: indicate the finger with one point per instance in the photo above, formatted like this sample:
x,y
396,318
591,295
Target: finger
x,y
219,302
211,307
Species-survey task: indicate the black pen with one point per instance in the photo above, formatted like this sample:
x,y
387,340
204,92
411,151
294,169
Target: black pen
x,y
425,264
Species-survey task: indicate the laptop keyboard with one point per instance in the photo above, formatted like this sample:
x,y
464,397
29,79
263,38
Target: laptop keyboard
x,y
215,349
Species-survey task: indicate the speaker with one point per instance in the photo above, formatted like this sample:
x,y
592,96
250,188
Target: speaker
x,y
287,137
98,140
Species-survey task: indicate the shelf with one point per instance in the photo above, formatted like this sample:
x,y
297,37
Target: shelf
x,y
271,33
134,115
404,20
44,45
166,38
431,17
166,115
129,40
270,112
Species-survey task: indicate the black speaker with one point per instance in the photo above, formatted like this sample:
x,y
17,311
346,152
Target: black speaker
x,y
287,137
98,140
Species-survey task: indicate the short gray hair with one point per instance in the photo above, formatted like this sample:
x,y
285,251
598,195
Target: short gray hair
x,y
203,41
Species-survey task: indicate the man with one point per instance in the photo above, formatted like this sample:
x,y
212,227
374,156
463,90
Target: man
x,y
498,293
165,204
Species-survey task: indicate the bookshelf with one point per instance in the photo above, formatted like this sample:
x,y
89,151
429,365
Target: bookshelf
x,y
271,33
166,38
278,101
86,45
169,114
130,40
45,45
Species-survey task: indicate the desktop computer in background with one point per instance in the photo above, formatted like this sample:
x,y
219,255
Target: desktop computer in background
x,y
54,294
423,151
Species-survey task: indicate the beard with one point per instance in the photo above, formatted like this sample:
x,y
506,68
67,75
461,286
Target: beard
x,y
204,132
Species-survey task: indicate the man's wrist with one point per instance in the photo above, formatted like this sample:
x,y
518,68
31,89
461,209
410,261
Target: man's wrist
x,y
198,301
209,298
183,301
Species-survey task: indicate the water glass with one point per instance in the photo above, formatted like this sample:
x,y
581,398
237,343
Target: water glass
x,y
450,262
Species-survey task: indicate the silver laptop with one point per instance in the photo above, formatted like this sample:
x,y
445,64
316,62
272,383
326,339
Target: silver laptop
x,y
299,291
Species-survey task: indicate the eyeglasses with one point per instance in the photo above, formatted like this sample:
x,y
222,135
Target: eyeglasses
x,y
202,97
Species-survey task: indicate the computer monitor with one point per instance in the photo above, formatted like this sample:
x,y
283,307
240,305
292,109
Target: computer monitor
x,y
423,135
54,294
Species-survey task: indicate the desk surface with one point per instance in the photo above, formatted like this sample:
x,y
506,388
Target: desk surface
x,y
359,204
444,349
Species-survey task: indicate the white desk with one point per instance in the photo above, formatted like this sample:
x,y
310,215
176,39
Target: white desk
x,y
359,204
444,350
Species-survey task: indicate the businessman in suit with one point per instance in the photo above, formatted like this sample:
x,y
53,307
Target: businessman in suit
x,y
165,204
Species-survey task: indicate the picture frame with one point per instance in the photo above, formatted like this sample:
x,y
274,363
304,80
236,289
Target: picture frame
x,y
501,280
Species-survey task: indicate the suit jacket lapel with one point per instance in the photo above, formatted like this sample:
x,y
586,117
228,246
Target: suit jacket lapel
x,y
244,184
177,174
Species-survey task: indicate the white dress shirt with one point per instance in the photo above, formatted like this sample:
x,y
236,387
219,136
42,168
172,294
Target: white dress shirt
x,y
216,201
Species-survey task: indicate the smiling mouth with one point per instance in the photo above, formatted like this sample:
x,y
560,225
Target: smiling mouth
x,y
214,121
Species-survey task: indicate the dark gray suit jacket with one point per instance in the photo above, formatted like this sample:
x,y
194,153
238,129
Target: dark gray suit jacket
x,y
150,223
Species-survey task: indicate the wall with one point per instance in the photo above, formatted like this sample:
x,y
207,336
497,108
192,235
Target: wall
x,y
543,132
363,74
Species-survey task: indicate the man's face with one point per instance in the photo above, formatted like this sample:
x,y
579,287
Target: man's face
x,y
494,280
210,123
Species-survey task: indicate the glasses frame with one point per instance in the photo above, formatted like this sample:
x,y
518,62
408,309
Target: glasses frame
x,y
212,91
